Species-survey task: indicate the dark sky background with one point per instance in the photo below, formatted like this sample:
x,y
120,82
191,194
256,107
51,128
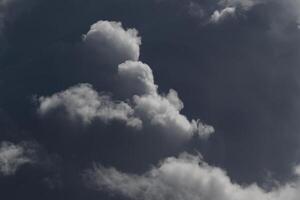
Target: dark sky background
x,y
239,75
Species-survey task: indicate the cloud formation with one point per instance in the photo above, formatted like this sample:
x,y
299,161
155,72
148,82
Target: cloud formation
x,y
185,177
160,110
13,156
136,78
114,43
83,102
143,105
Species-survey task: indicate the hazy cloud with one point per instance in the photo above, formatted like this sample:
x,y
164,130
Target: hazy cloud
x,y
136,78
163,111
219,16
13,156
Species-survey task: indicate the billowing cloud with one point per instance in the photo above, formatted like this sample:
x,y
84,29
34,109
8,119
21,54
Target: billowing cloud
x,y
136,78
185,177
112,42
143,104
163,111
83,102
219,16
13,156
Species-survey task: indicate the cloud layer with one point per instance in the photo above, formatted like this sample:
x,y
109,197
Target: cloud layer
x,y
185,177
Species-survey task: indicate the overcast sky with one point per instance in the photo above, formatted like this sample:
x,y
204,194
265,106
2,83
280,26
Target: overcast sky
x,y
150,99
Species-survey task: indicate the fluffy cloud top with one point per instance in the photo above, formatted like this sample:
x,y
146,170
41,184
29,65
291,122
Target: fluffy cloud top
x,y
185,177
147,106
113,42
163,111
83,102
137,78
12,156
219,16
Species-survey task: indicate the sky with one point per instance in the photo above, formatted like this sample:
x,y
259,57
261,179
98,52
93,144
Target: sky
x,y
150,99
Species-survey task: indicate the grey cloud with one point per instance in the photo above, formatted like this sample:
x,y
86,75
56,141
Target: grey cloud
x,y
163,111
115,44
195,10
136,78
244,4
13,156
84,102
219,16
185,177
145,105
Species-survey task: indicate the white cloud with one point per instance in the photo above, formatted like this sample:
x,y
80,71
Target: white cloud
x,y
144,104
162,111
12,156
219,16
136,78
293,6
112,42
185,177
83,102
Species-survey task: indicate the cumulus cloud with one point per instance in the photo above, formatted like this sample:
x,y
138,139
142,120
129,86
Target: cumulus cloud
x,y
136,78
112,42
13,156
219,16
143,104
163,111
185,177
160,110
83,102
